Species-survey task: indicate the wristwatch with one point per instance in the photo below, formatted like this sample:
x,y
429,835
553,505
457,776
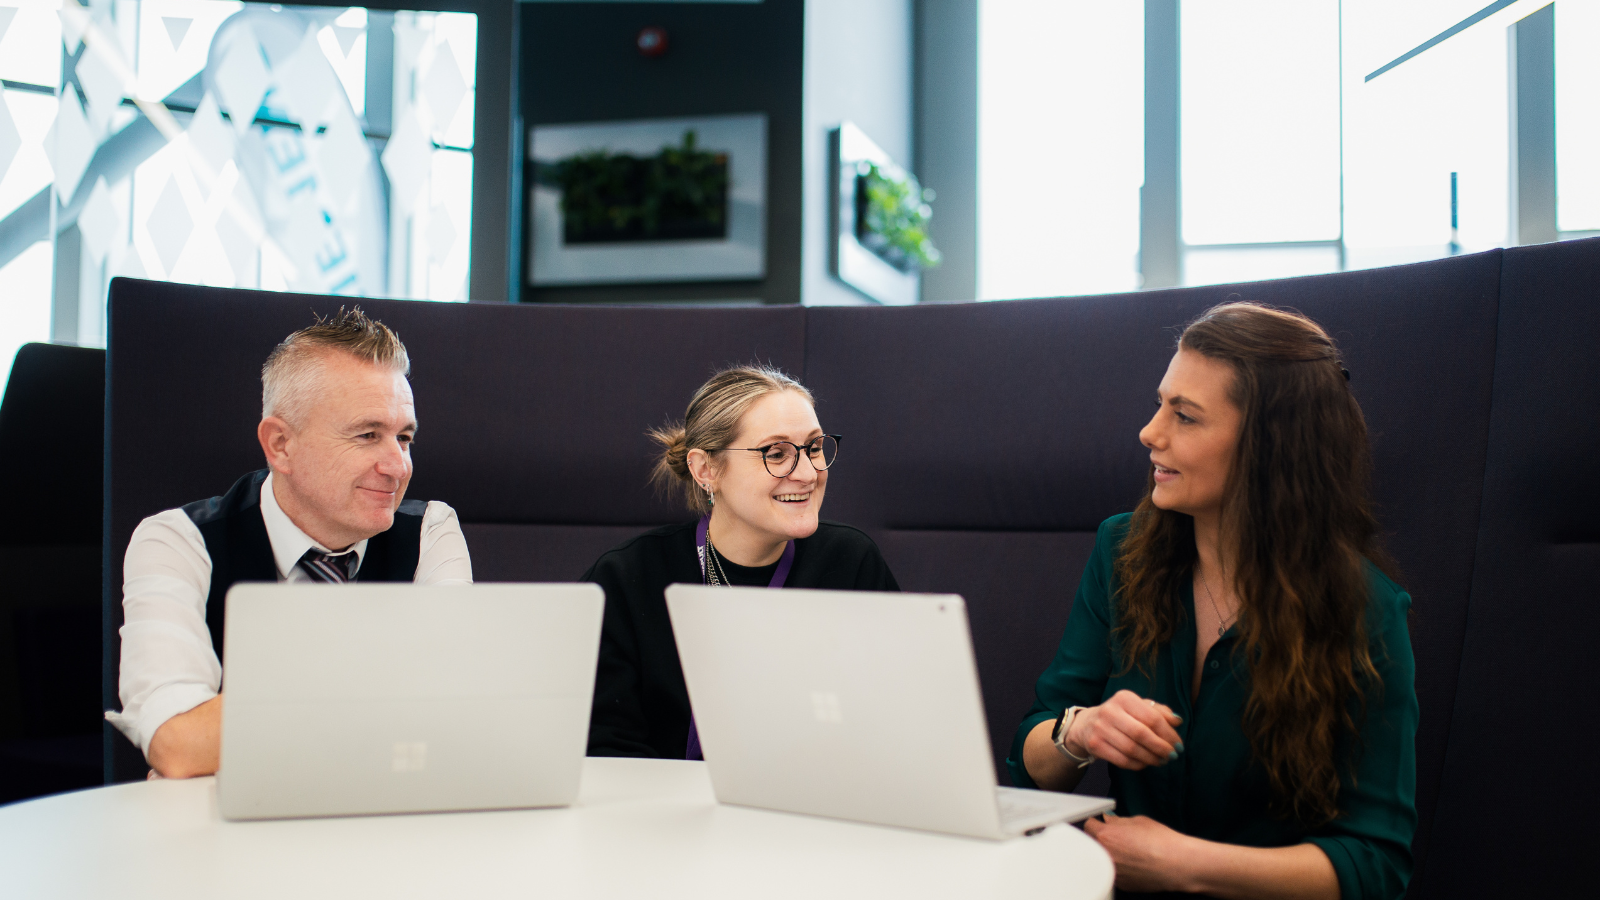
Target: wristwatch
x,y
1058,736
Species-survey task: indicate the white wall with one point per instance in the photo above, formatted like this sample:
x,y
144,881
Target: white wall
x,y
857,69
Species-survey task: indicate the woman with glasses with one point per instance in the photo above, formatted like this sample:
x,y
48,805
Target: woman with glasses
x,y
1236,652
752,460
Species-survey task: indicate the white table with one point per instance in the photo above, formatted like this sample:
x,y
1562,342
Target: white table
x,y
642,829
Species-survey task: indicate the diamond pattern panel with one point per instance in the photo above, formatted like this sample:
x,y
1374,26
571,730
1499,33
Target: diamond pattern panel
x,y
170,225
98,221
343,156
10,137
306,86
270,207
209,135
444,89
407,160
72,146
441,233
176,27
242,80
101,84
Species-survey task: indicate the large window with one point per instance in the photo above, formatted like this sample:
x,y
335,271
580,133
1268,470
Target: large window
x,y
1441,112
1061,147
1578,116
1295,158
1260,145
320,149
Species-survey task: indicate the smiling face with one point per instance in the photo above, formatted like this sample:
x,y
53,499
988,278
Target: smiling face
x,y
765,508
1193,436
342,469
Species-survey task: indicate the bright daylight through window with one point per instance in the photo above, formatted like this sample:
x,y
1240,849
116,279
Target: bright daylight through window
x,y
1292,161
1260,138
317,149
1060,147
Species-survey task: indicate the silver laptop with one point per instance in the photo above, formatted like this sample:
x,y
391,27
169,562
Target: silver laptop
x,y
389,698
854,705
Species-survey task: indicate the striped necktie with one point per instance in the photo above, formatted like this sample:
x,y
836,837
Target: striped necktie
x,y
334,568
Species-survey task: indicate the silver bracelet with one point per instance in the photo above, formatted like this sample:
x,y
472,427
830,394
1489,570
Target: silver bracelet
x,y
1060,738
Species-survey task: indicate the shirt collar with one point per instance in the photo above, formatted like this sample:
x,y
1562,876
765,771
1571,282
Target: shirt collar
x,y
289,543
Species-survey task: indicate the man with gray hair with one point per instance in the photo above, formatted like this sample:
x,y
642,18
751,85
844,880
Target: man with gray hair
x,y
337,422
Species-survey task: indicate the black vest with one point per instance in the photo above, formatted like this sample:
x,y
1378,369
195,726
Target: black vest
x,y
236,539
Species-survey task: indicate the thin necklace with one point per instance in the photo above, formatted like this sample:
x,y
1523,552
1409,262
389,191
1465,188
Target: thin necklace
x,y
715,569
1222,624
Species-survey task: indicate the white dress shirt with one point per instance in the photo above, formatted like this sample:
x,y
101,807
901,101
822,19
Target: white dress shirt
x,y
168,663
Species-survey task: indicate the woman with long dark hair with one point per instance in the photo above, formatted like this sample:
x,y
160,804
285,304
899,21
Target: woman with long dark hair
x,y
1236,651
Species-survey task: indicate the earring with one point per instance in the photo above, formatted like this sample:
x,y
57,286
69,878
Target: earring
x,y
709,495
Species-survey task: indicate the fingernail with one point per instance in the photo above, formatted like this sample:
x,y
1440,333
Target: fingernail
x,y
1172,756
1180,746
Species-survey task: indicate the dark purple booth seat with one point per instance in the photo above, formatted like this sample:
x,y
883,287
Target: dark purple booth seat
x,y
1520,778
511,551
50,610
985,442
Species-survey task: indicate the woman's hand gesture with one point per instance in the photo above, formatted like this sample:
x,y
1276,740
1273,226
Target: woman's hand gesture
x,y
1128,732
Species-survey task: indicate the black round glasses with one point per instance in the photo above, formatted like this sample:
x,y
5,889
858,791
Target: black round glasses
x,y
782,457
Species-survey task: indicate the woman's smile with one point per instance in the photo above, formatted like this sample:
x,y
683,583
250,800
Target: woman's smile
x,y
1196,422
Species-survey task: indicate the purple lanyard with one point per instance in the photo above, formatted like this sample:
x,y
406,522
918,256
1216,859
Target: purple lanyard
x,y
779,576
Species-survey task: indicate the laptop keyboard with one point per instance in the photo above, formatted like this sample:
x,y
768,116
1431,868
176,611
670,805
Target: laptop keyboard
x,y
1016,804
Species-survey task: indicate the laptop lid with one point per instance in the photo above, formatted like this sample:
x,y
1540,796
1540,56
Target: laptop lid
x,y
387,698
855,705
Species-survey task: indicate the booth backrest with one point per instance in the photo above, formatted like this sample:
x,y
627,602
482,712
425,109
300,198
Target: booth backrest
x,y
1517,793
50,610
985,442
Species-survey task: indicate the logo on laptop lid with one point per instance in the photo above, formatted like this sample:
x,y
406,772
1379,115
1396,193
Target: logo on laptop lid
x,y
410,756
825,706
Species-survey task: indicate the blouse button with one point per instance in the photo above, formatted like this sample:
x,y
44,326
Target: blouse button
x,y
1213,664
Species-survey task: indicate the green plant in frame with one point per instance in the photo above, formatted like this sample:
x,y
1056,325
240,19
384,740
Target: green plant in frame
x,y
681,193
892,214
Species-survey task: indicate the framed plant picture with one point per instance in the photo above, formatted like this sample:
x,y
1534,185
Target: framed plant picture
x,y
652,200
880,221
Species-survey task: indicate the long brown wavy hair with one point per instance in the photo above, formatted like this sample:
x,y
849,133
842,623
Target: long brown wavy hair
x,y
1297,514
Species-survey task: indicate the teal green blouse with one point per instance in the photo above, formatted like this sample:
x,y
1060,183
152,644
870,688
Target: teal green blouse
x,y
1213,790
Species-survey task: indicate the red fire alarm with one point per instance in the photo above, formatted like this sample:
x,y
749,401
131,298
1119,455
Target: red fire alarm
x,y
652,41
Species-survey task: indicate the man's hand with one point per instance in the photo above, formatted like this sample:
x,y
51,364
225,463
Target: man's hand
x,y
189,744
